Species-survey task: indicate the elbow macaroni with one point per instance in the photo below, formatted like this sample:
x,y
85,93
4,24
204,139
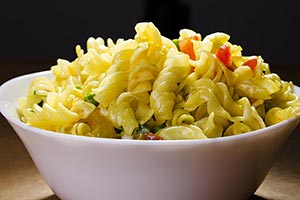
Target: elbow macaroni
x,y
148,80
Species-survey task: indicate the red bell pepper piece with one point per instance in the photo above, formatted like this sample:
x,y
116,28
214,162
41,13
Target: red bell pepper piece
x,y
187,46
251,63
223,54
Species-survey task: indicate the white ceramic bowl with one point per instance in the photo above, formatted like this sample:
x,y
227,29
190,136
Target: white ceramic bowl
x,y
82,168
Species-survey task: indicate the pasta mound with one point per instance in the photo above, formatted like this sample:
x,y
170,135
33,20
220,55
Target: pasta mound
x,y
151,87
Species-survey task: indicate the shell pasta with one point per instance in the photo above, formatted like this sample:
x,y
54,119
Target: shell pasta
x,y
152,88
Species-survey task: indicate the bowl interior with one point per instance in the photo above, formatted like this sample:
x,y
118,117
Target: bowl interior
x,y
13,89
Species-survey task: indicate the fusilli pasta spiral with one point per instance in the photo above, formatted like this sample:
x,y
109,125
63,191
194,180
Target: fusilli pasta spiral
x,y
152,87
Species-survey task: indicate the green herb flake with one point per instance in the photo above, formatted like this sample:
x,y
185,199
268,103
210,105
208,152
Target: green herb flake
x,y
89,97
158,127
78,87
176,42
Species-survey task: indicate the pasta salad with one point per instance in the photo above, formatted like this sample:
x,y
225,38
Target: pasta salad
x,y
151,88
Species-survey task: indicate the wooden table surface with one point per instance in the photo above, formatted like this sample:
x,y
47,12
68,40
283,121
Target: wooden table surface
x,y
20,179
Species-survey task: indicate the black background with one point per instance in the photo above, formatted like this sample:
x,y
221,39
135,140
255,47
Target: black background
x,y
47,30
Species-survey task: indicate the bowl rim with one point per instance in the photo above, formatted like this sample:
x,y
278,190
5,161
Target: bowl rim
x,y
12,119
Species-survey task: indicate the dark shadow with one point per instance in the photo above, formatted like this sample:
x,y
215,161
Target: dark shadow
x,y
168,16
254,197
52,197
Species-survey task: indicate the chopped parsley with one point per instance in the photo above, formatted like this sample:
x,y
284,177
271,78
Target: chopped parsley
x,y
158,127
78,87
176,42
89,97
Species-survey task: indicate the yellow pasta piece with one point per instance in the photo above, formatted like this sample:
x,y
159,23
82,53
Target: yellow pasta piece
x,y
182,132
118,89
237,128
